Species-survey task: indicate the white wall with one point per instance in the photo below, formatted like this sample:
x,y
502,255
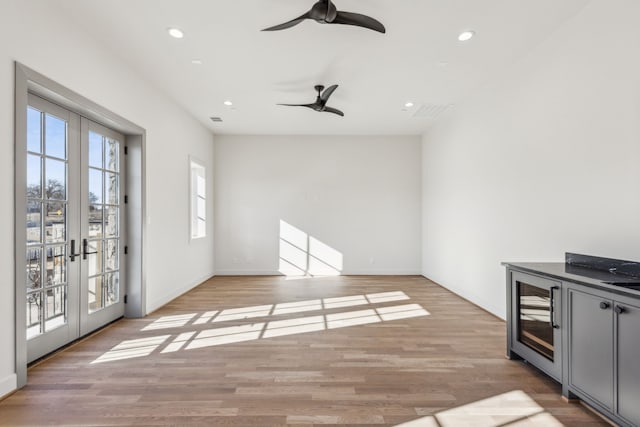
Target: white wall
x,y
33,33
359,195
541,161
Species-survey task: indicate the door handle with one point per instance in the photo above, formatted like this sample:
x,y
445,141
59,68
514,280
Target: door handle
x,y
85,247
552,303
73,254
620,309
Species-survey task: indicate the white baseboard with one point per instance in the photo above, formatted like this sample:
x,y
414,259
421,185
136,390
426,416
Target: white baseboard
x,y
344,273
248,273
8,385
382,273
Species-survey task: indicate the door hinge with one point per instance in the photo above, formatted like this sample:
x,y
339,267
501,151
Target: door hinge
x,y
125,299
126,150
126,250
126,199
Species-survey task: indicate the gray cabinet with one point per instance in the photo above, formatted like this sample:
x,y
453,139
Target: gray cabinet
x,y
628,362
591,346
581,326
604,351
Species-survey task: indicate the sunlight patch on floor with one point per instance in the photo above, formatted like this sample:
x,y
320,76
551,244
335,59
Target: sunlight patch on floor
x,y
232,334
132,348
189,340
193,339
387,297
243,313
514,408
401,312
166,322
294,326
345,301
179,342
298,307
352,318
205,317
181,320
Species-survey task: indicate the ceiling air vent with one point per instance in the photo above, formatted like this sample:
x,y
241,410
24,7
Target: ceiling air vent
x,y
216,119
431,111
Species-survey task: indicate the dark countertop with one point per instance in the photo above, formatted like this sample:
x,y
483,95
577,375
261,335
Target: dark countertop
x,y
581,275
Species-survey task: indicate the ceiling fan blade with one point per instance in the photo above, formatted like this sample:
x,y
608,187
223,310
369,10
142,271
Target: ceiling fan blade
x,y
299,105
349,18
328,92
334,111
289,24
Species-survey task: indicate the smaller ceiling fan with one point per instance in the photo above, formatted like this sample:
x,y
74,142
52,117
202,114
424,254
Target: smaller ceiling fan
x,y
321,101
325,12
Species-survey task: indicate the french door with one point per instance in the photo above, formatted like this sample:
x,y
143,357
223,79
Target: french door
x,y
74,228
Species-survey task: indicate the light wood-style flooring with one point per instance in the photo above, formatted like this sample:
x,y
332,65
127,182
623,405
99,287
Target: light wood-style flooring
x,y
267,351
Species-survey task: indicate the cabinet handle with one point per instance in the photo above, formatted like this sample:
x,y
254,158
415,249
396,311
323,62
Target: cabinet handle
x,y
552,303
604,305
620,309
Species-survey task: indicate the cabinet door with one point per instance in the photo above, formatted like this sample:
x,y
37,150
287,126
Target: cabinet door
x,y
535,330
591,346
629,362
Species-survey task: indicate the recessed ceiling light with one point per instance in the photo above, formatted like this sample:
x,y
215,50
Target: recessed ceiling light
x,y
196,61
466,35
409,104
176,33
228,103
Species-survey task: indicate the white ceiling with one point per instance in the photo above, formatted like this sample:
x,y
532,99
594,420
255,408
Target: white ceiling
x,y
418,59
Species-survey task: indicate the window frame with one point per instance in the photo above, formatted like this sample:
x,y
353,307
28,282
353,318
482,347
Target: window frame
x,y
197,199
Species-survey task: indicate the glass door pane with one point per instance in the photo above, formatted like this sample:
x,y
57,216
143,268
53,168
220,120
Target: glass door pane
x,y
103,205
51,320
534,324
47,204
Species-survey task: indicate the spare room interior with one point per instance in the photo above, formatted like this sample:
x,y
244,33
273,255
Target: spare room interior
x,y
284,212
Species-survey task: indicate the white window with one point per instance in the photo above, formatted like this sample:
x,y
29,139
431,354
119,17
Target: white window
x,y
198,200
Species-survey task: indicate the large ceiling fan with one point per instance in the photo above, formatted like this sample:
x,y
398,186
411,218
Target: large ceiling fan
x,y
321,101
325,12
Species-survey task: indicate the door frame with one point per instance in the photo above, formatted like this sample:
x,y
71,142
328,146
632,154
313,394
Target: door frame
x,y
30,81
